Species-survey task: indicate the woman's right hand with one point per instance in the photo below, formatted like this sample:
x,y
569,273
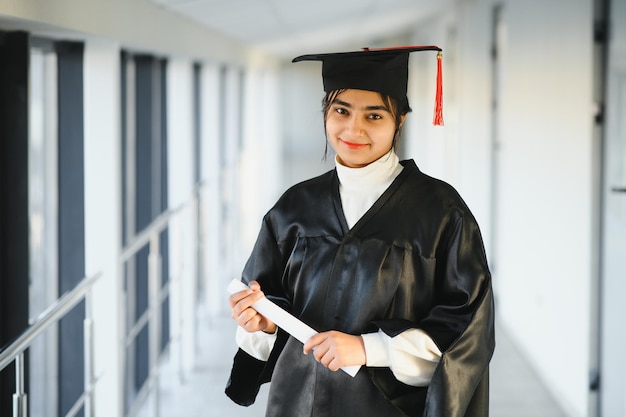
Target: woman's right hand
x,y
246,316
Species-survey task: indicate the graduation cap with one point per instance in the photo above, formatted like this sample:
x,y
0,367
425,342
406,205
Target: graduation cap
x,y
384,70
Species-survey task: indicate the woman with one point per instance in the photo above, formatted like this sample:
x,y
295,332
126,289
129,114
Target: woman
x,y
384,261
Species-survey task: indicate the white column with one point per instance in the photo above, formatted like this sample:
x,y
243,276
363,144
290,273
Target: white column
x,y
211,145
251,167
232,114
261,153
272,139
102,217
183,242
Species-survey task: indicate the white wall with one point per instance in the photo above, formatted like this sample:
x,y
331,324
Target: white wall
x,y
545,211
102,217
542,227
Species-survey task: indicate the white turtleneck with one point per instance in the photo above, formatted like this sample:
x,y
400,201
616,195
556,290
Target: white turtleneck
x,y
412,355
361,187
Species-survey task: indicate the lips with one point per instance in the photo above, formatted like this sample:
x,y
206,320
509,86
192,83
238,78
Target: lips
x,y
352,145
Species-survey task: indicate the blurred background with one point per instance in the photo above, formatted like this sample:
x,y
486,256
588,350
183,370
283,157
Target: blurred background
x,y
141,142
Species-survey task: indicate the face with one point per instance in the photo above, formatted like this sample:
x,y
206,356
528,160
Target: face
x,y
360,127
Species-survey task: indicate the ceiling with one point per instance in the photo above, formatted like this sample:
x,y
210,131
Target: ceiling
x,y
286,28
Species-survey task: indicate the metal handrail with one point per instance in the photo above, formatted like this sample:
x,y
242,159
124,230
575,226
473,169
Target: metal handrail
x,y
59,309
143,238
150,236
53,314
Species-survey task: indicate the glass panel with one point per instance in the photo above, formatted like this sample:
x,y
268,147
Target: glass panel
x,y
43,207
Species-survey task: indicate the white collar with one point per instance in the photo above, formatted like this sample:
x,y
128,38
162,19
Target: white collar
x,y
381,171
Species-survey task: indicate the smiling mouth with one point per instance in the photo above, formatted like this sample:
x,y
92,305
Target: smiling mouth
x,y
352,145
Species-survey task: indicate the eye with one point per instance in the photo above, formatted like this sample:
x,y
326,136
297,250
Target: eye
x,y
374,116
341,110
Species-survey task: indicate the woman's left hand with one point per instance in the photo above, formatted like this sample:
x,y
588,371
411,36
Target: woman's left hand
x,y
335,350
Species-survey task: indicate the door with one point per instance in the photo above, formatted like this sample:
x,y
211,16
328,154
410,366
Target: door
x,y
613,255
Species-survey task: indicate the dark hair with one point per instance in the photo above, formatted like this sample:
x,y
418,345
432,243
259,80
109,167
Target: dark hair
x,y
398,108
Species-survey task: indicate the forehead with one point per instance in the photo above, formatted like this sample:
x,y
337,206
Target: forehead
x,y
366,97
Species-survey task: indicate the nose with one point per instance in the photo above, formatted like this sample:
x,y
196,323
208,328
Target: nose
x,y
354,127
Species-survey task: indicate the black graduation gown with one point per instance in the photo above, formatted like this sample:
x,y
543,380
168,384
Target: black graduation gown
x,y
414,260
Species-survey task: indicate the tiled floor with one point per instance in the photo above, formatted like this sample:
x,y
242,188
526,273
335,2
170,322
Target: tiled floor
x,y
515,389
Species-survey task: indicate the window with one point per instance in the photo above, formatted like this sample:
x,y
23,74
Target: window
x,y
144,188
42,221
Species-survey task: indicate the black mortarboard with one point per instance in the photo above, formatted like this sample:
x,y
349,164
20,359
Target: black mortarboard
x,y
384,70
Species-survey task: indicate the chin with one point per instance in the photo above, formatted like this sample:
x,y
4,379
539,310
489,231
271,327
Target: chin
x,y
354,163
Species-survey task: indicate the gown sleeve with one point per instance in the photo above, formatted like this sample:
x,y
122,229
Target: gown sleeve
x,y
461,323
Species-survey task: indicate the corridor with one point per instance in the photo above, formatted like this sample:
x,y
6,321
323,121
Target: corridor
x,y
143,141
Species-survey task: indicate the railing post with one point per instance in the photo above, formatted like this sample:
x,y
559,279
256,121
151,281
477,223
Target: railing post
x,y
154,286
19,398
88,352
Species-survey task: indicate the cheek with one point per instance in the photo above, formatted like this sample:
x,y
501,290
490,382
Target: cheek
x,y
386,135
332,128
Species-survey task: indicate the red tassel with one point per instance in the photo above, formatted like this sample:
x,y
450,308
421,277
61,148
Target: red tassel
x,y
438,117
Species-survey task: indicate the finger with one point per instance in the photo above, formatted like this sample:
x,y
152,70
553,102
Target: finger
x,y
329,360
246,302
321,354
325,360
244,316
252,322
238,296
253,287
313,342
238,309
334,365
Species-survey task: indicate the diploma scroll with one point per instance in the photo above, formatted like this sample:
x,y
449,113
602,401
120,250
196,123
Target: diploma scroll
x,y
284,320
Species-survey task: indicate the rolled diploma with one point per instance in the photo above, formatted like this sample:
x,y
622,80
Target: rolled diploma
x,y
284,320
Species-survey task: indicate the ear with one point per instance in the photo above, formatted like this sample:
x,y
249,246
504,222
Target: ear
x,y
402,119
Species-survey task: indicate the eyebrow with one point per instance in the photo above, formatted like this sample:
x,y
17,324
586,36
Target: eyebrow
x,y
368,108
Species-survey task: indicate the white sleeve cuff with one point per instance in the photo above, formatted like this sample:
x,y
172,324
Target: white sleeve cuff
x,y
412,355
376,349
256,344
